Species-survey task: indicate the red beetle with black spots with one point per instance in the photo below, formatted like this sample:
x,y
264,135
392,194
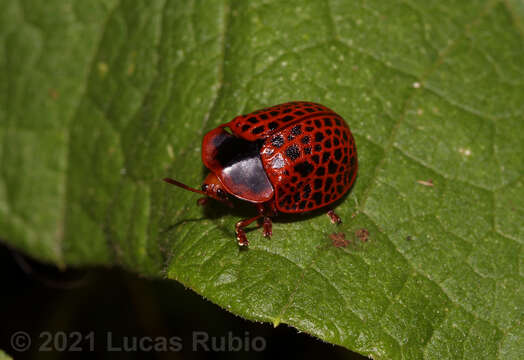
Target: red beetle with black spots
x,y
289,158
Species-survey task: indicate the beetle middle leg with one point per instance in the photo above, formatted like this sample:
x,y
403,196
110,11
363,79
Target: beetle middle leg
x,y
241,233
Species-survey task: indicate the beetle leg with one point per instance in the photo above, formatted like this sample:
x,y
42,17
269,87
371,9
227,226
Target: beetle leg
x,y
268,227
241,234
335,219
202,201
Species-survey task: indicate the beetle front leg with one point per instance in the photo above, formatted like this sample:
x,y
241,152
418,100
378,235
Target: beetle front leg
x,y
268,226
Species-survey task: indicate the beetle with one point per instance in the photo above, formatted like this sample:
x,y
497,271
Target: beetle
x,y
290,158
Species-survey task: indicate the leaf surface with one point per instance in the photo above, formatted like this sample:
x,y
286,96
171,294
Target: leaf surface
x,y
102,99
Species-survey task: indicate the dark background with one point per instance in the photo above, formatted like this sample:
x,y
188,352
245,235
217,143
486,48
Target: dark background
x,y
37,298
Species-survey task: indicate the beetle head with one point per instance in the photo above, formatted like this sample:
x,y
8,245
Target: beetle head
x,y
211,188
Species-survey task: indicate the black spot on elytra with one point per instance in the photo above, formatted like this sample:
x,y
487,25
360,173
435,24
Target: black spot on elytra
x,y
307,191
272,125
337,131
319,136
293,152
325,156
340,188
337,120
327,121
339,178
332,167
315,158
304,168
302,205
329,132
310,128
296,197
288,110
307,150
263,116
352,161
305,139
345,136
299,113
296,130
252,120
327,143
310,110
345,160
336,141
320,171
294,179
318,147
258,130
309,205
277,141
317,197
317,184
329,182
290,137
317,123
245,127
338,154
287,199
327,197
274,113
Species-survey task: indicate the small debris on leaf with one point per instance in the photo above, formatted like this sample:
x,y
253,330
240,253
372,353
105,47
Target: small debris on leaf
x,y
339,239
428,182
362,234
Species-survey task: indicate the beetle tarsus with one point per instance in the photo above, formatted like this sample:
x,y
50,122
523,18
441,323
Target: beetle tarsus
x,y
335,219
241,237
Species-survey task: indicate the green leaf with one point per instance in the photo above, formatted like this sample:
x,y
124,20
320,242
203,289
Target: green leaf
x,y
101,99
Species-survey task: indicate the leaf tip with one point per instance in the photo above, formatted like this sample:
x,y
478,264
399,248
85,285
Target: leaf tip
x,y
276,322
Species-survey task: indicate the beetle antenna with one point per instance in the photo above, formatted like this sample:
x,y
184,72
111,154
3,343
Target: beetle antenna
x,y
183,186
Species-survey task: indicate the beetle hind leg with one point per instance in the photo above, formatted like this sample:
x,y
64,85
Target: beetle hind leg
x,y
335,219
